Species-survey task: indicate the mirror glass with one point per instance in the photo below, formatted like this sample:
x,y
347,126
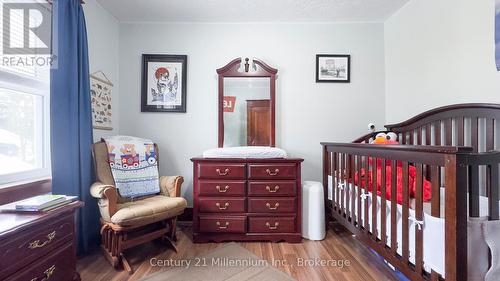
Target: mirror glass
x,y
247,111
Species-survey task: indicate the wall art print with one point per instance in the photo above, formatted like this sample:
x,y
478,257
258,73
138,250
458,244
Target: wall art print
x,y
163,83
101,101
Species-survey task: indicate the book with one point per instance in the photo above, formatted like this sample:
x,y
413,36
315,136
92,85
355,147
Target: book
x,y
68,200
11,207
40,202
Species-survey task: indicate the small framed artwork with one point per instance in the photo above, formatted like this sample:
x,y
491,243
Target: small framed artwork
x,y
333,68
163,83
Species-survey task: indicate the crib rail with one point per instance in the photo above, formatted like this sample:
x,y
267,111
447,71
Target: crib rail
x,y
365,166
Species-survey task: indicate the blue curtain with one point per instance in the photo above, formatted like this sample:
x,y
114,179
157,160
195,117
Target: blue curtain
x,y
70,116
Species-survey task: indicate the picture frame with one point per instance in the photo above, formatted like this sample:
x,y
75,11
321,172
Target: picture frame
x,y
164,83
334,68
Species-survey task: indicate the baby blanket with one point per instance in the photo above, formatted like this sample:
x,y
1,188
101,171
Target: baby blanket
x,y
134,165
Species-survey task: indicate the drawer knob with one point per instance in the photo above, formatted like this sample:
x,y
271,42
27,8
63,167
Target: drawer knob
x,y
226,188
271,173
276,224
222,207
36,244
276,188
276,206
223,173
225,226
48,273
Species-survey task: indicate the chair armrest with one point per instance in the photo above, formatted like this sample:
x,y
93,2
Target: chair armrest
x,y
97,189
108,198
171,185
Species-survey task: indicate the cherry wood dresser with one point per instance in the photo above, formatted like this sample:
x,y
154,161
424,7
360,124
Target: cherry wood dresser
x,y
40,246
247,199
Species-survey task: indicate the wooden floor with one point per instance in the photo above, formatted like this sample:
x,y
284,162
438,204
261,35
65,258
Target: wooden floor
x,y
338,245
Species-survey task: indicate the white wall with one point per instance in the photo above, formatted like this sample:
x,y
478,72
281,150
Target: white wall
x,y
307,112
439,53
102,34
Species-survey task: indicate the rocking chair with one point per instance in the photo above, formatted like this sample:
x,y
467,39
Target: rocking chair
x,y
126,223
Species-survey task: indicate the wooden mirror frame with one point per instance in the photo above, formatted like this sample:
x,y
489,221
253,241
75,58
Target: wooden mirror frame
x,y
231,70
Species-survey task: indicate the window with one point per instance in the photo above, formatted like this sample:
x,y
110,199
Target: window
x,y
24,110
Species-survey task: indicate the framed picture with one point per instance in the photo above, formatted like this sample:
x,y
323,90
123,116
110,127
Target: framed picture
x,y
100,95
333,68
163,83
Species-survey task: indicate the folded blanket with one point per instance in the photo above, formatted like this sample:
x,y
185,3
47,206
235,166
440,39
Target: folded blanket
x,y
133,165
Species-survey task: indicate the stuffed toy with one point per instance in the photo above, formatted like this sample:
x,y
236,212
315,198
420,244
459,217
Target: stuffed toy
x,y
386,138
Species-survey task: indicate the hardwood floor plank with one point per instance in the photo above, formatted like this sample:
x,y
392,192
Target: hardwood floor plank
x,y
339,244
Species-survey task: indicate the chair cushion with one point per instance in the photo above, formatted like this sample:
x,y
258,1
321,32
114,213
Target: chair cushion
x,y
148,210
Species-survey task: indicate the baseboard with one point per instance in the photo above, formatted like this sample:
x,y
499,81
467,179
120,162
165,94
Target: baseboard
x,y
187,216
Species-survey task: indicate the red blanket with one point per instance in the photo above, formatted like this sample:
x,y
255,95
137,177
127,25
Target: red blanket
x,y
412,181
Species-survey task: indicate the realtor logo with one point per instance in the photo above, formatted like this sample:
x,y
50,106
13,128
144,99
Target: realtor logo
x,y
26,28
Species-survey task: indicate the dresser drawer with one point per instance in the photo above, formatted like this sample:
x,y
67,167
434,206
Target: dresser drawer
x,y
222,205
221,188
58,266
221,171
223,224
271,224
272,171
271,188
271,205
31,245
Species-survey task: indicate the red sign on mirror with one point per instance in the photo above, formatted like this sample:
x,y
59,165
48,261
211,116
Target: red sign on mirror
x,y
229,103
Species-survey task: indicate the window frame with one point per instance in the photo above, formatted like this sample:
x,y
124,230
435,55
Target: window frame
x,y
30,85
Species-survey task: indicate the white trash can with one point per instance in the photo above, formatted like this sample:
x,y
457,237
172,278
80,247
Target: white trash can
x,y
313,211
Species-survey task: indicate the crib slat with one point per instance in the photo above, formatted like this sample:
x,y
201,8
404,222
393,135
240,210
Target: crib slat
x,y
428,134
335,181
406,196
428,141
493,192
353,190
448,132
437,133
366,223
474,133
436,192
383,203
345,181
419,136
473,191
347,186
341,182
333,173
419,216
490,140
394,208
360,184
490,134
460,131
374,198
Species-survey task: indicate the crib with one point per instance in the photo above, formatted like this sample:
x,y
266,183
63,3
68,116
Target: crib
x,y
453,150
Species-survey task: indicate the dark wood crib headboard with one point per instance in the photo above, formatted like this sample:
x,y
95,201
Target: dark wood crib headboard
x,y
468,124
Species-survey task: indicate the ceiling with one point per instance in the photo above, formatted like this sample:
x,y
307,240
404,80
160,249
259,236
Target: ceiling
x,y
252,10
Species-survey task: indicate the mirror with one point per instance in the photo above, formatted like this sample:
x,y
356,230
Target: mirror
x,y
246,104
247,111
